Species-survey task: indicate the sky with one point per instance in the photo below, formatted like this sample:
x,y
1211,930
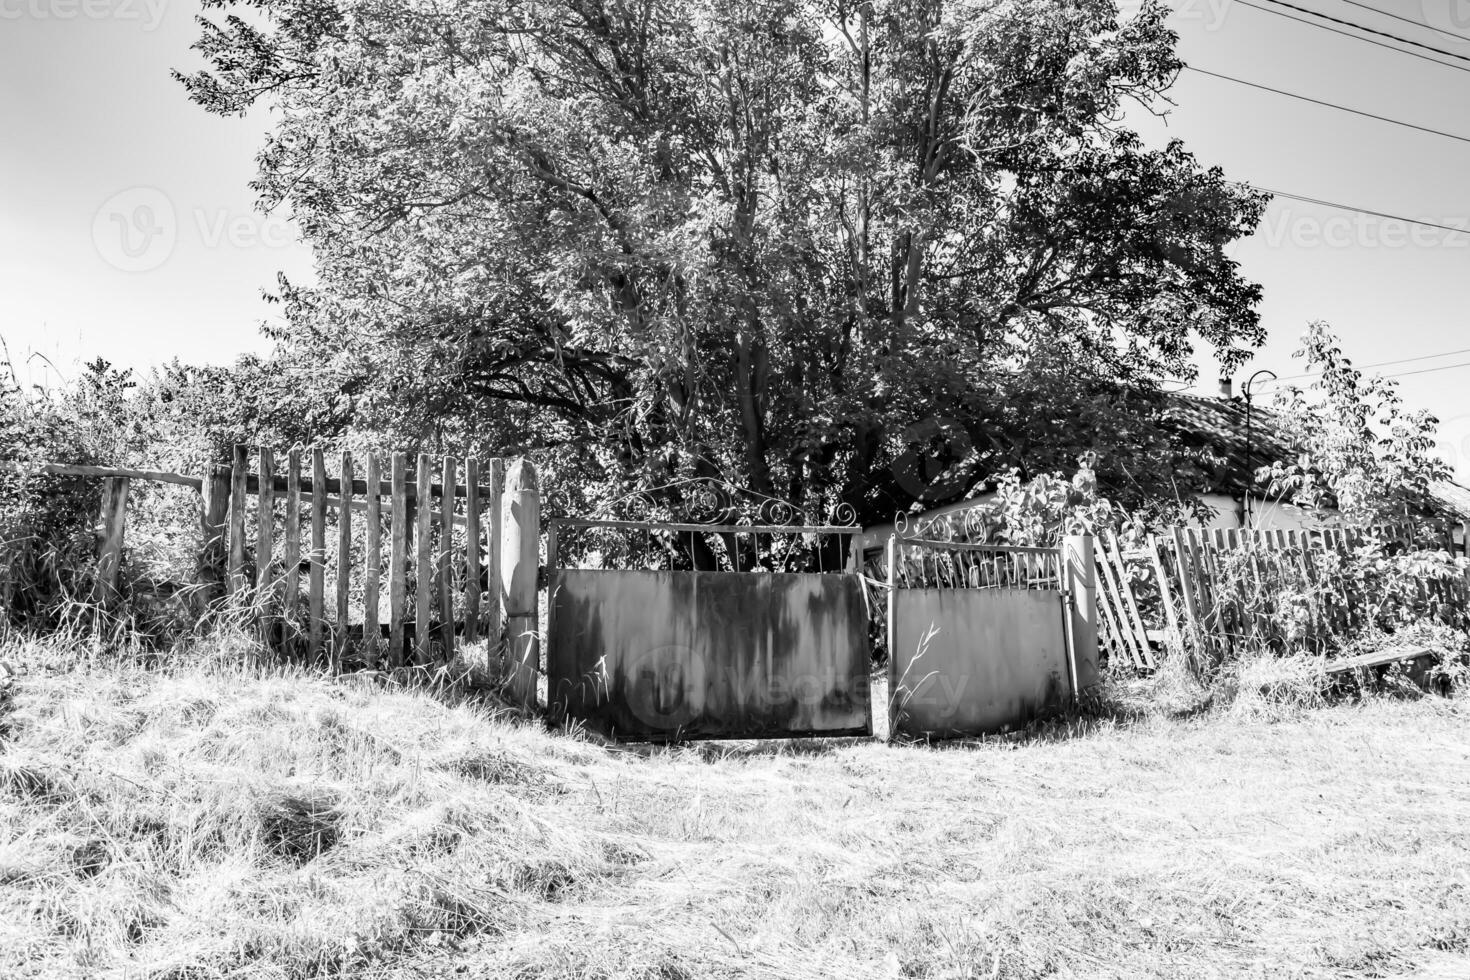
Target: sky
x,y
128,230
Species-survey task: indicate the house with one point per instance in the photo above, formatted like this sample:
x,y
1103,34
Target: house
x,y
1228,447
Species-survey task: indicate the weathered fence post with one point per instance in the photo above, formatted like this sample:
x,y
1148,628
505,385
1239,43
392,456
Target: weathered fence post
x,y
110,537
423,603
1079,569
520,554
239,472
372,579
214,509
317,572
397,557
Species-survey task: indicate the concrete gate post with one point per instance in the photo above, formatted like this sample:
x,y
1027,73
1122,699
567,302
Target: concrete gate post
x,y
1079,576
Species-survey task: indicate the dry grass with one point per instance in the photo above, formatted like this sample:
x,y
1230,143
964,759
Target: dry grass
x,y
186,823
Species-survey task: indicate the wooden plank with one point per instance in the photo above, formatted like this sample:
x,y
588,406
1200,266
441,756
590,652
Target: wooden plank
x,y
239,469
494,593
1112,599
423,607
291,560
105,472
445,572
372,578
214,509
265,525
1376,658
397,559
1166,598
344,564
1130,602
111,529
472,564
318,573
1107,595
1183,561
332,486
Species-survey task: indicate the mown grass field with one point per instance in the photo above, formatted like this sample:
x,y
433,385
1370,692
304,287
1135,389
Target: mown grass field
x,y
193,822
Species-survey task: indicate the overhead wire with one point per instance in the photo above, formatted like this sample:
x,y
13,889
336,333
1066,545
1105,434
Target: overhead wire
x,y
1356,37
1406,20
1369,30
1348,207
1329,105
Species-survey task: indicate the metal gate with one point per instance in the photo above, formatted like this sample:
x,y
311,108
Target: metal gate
x,y
771,648
979,637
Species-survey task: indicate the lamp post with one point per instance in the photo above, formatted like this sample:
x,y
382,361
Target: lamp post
x,y
1249,470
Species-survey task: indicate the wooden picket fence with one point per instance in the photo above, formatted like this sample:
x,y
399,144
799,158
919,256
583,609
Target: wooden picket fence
x,y
460,555
1207,590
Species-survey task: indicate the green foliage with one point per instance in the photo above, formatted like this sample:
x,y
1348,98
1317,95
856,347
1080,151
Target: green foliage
x,y
178,418
1037,512
774,242
46,541
1378,594
1361,451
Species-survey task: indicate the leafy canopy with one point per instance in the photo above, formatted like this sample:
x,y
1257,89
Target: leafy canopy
x,y
1359,450
781,242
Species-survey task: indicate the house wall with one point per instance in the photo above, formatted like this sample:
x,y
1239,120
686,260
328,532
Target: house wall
x,y
1266,515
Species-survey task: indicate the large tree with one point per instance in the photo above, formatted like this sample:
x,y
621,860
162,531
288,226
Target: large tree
x,y
786,243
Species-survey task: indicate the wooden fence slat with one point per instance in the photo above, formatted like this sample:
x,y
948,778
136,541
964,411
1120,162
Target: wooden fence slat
x,y
344,562
445,573
1107,595
239,469
292,557
1183,562
265,526
1113,599
494,592
373,575
214,510
1166,598
111,529
423,607
472,550
1125,586
397,559
318,582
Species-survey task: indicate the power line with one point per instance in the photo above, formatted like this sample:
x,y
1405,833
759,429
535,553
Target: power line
x,y
1444,367
1369,30
1407,20
1349,207
1377,364
1329,105
1355,37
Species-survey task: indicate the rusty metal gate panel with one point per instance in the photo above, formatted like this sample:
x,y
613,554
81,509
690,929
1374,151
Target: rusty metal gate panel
x,y
970,661
978,638
661,655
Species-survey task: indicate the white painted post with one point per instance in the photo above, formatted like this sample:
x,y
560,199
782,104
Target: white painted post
x,y
1080,572
520,554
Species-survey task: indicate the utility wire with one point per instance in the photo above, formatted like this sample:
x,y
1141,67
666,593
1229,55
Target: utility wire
x,y
1369,30
1355,37
1349,207
1376,364
1407,20
1329,105
1446,367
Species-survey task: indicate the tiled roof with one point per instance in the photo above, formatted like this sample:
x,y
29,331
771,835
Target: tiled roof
x,y
1218,426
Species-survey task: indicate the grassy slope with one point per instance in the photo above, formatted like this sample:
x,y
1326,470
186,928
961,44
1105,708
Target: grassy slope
x,y
160,825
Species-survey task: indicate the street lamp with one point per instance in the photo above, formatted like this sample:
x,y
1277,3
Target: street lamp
x,y
1250,470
